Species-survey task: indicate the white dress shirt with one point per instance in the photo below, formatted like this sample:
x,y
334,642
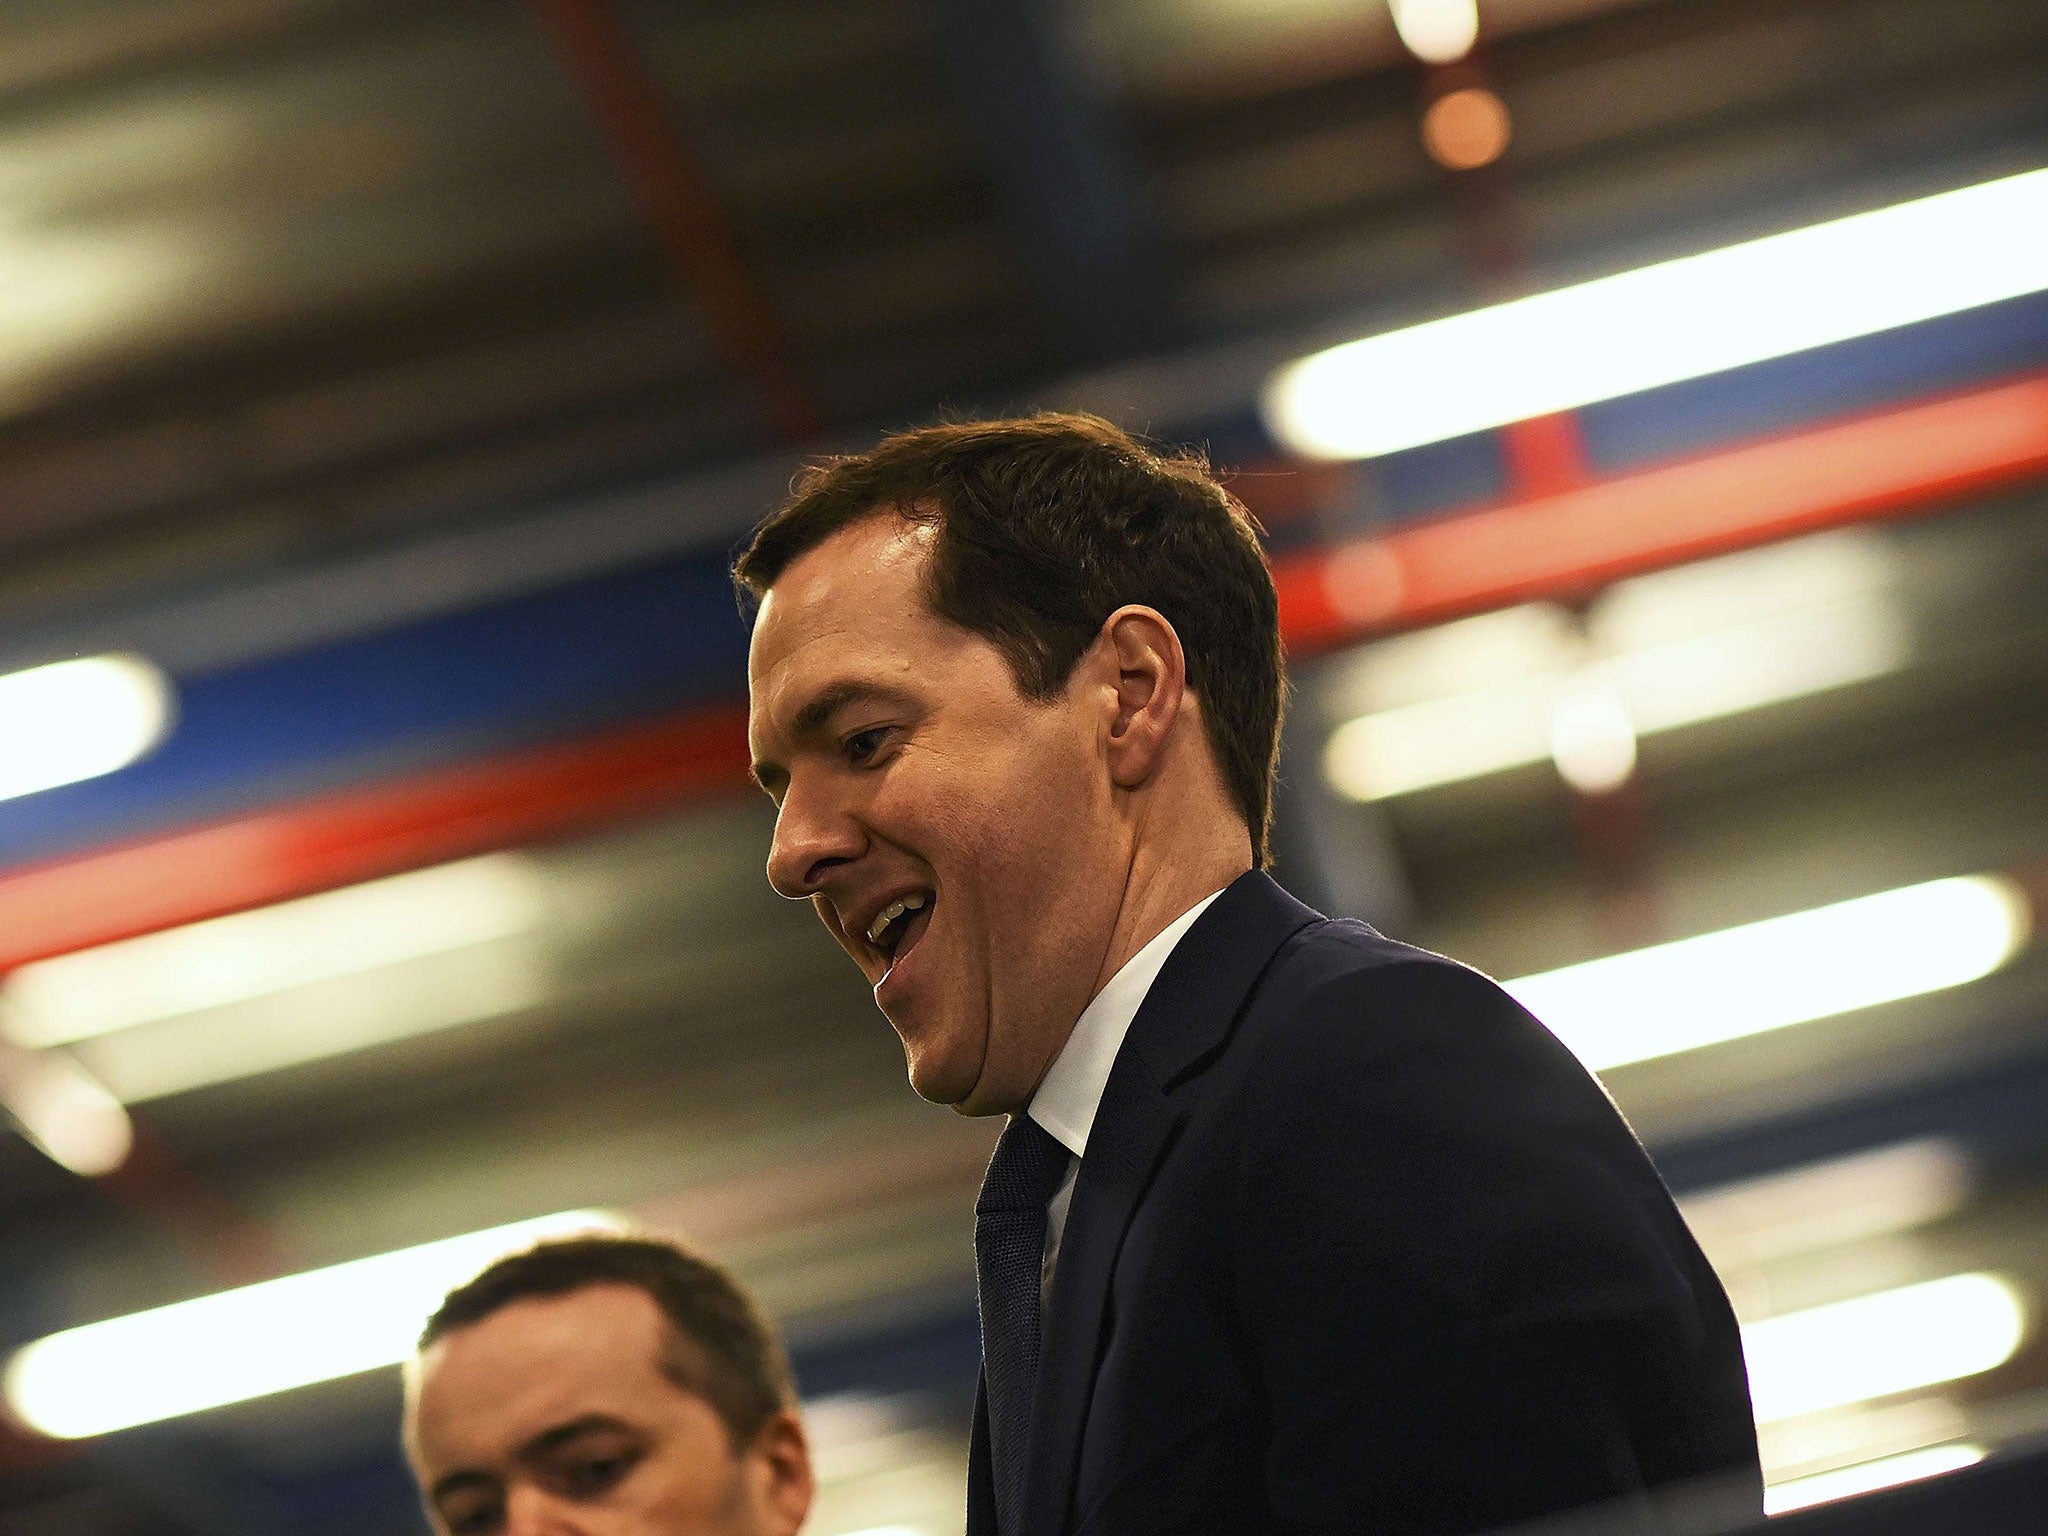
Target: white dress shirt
x,y
1071,1092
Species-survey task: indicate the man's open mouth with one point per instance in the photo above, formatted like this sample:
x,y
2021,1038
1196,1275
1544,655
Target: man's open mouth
x,y
898,926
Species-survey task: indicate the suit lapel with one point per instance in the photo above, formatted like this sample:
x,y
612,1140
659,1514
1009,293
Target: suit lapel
x,y
1185,1020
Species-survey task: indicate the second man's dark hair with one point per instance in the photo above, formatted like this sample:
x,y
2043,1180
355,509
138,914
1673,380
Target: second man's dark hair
x,y
1048,524
729,1355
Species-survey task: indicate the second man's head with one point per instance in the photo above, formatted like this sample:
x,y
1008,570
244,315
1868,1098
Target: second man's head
x,y
605,1386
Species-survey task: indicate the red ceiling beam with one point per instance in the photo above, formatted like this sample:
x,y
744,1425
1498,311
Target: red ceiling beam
x,y
293,850
680,205
1891,463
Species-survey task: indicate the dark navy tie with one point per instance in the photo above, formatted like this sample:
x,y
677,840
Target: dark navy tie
x,y
1009,1256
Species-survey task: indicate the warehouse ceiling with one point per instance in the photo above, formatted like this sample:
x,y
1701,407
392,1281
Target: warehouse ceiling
x,y
278,276
302,288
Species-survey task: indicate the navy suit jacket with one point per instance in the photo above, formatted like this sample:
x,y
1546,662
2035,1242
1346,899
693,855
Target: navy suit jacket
x,y
1357,1245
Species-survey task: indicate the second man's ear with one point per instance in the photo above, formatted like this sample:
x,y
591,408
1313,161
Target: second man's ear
x,y
1151,683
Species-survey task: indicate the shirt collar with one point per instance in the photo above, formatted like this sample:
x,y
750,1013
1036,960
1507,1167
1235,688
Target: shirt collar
x,y
1067,1099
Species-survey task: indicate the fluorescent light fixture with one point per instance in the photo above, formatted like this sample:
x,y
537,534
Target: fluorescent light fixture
x,y
70,1116
1654,653
1683,682
1508,645
249,1343
254,954
1859,1432
74,720
63,285
1659,324
1437,31
853,1434
1869,1476
1825,1204
1440,741
1843,567
1744,981
1587,719
1878,1345
319,1020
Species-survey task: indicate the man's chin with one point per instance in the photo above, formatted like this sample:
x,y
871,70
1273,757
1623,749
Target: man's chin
x,y
972,1096
941,1077
948,1088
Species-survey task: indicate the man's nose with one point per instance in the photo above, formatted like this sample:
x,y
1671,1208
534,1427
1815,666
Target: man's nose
x,y
812,837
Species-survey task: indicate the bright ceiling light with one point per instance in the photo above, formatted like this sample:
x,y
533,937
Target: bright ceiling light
x,y
1843,567
1857,1433
253,954
1786,970
1875,1346
1588,720
1821,1205
1659,324
75,720
248,1343
1437,31
1869,1476
1707,677
1440,741
64,1111
319,1020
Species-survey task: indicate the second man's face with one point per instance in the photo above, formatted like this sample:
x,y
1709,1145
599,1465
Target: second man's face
x,y
556,1416
957,838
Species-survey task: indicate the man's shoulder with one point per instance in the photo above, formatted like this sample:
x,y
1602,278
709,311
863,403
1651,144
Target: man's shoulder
x,y
1339,963
1345,1008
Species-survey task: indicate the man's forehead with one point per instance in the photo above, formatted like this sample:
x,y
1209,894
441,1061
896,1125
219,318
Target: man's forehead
x,y
535,1363
842,617
874,566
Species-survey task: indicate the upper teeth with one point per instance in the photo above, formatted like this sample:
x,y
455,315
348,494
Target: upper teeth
x,y
889,914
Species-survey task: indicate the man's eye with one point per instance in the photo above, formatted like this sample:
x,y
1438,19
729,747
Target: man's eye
x,y
478,1520
862,746
598,1474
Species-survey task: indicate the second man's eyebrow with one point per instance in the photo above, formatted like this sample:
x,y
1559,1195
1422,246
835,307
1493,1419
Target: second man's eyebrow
x,y
458,1482
561,1434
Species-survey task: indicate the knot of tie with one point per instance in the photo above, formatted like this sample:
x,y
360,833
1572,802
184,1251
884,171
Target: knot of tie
x,y
1009,1252
1025,1171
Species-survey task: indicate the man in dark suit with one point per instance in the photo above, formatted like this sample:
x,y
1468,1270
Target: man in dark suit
x,y
1293,1228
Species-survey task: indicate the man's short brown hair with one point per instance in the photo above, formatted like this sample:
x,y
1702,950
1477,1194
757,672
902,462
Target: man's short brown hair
x,y
1046,525
728,1355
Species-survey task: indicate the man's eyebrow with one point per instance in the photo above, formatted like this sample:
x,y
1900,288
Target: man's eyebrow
x,y
547,1440
818,713
561,1434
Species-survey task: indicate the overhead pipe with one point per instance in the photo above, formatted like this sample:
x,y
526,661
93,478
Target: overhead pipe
x,y
678,201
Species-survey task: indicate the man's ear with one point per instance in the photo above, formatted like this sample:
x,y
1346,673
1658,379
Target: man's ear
x,y
785,1484
1151,685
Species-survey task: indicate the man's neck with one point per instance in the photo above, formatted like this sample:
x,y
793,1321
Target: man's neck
x,y
1156,894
